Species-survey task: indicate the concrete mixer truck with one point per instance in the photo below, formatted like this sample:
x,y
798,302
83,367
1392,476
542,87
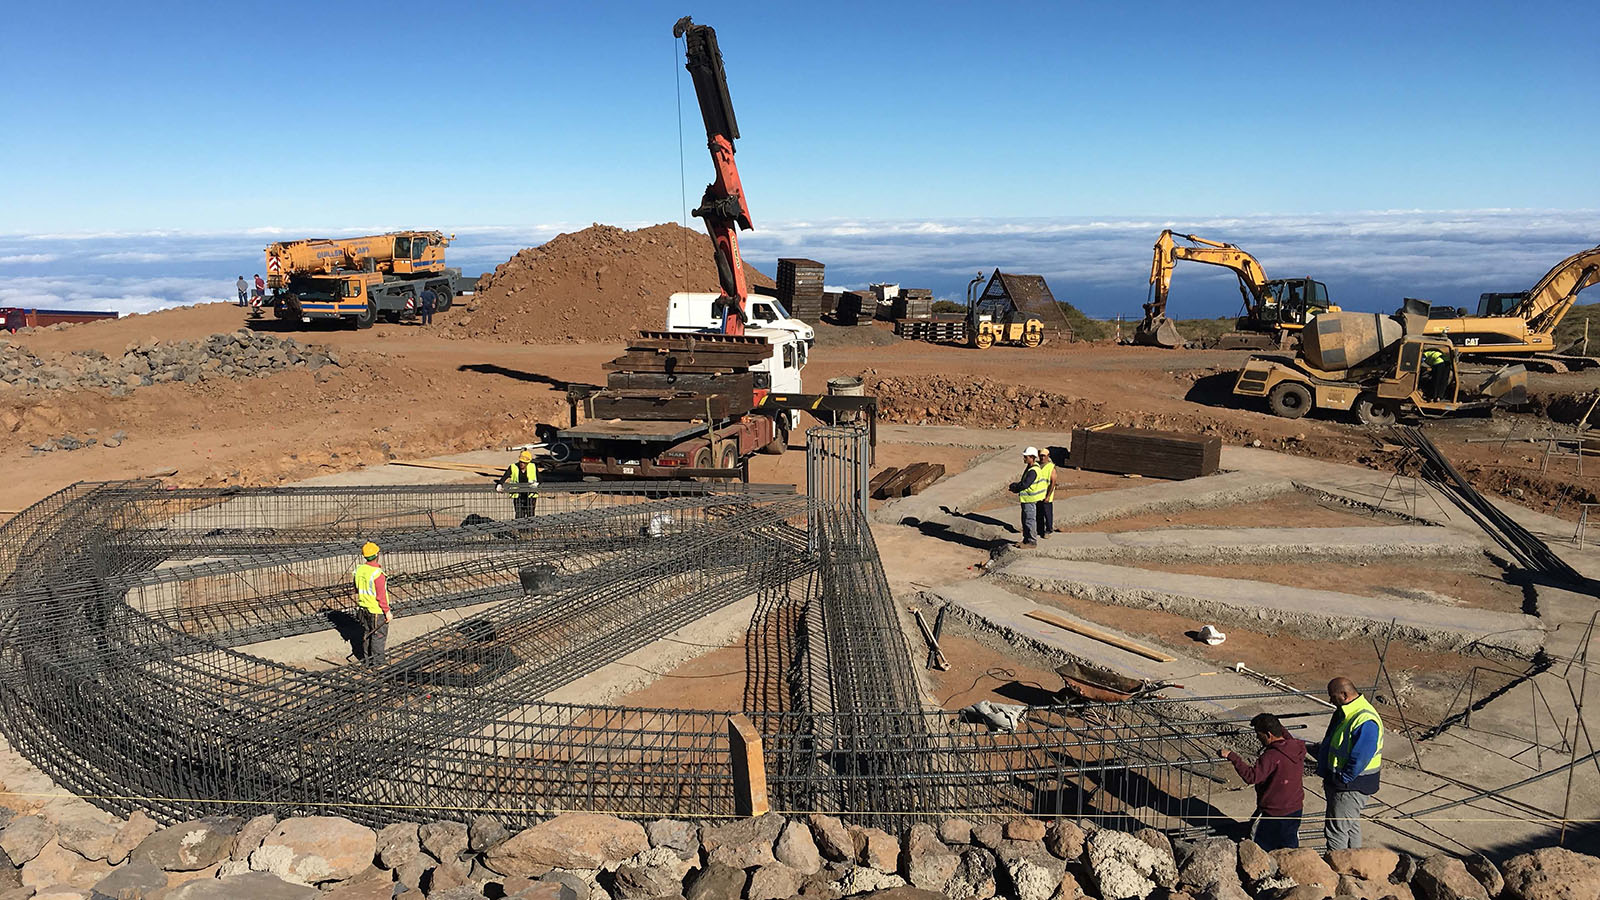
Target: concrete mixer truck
x,y
1376,367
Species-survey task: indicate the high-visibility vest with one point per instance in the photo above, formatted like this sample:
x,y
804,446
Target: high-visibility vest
x,y
1033,493
367,587
1047,470
1432,357
1356,712
514,476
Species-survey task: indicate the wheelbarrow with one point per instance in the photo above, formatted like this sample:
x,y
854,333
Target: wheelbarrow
x,y
1097,685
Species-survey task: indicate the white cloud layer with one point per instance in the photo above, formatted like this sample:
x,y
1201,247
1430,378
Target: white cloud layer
x,y
1369,259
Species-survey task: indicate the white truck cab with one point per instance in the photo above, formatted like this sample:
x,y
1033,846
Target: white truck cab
x,y
688,311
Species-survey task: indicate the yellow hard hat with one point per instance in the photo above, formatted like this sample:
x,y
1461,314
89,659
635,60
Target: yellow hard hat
x,y
525,457
369,549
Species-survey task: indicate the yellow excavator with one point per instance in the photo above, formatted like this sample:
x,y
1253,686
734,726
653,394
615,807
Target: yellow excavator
x,y
1521,327
1275,310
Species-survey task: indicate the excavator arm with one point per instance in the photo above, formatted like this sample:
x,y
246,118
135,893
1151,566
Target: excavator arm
x,y
723,205
1548,303
1158,330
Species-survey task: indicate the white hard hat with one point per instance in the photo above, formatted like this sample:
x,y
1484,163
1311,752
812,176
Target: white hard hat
x,y
1031,451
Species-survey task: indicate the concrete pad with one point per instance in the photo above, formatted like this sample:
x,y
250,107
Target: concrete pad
x,y
987,606
1256,544
978,480
1323,615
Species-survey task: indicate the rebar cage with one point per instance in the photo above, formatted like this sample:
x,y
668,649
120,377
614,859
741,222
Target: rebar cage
x,y
135,668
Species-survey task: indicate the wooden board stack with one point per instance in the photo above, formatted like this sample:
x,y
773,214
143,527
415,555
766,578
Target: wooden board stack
x,y
943,329
913,303
700,353
898,482
800,288
1146,452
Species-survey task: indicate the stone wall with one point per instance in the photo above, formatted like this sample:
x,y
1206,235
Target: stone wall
x,y
69,851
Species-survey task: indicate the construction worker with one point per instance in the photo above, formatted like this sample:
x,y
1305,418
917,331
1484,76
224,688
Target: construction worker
x,y
372,596
1047,506
1437,373
523,471
1348,759
1277,775
1031,489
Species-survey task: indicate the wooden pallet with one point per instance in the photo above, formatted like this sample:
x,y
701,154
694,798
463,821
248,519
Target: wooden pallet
x,y
1146,452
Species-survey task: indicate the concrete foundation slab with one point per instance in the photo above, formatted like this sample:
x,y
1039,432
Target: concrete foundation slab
x,y
1225,545
1325,615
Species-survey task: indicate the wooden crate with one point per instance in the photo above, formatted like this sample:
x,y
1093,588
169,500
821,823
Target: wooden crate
x,y
1147,452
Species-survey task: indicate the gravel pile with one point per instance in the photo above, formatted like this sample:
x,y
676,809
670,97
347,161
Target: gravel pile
x,y
241,354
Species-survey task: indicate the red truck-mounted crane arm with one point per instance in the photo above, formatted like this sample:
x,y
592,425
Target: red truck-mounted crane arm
x,y
723,205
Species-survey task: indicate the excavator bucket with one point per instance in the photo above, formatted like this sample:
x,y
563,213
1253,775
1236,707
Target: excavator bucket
x,y
1158,332
1507,387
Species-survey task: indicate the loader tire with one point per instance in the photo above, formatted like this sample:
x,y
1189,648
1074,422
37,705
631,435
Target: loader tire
x,y
1372,411
1290,399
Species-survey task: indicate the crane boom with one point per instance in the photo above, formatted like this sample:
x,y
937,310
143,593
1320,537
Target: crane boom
x,y
723,205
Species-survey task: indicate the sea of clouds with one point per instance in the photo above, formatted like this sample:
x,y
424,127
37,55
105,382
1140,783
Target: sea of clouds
x,y
1369,260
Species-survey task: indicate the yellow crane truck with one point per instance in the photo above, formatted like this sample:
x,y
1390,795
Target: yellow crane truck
x,y
361,279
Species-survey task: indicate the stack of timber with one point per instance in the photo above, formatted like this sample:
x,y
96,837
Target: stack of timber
x,y
913,303
700,353
856,308
898,482
830,302
1146,452
800,288
943,329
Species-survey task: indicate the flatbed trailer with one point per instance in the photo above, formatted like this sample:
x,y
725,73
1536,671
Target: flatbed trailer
x,y
15,317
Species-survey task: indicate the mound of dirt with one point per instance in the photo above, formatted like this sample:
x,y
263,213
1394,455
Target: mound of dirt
x,y
599,284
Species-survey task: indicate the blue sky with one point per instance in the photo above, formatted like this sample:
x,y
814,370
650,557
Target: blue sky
x,y
529,117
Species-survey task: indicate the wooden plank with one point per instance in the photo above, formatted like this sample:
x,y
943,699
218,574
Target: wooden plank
x,y
895,486
734,385
932,473
749,767
880,479
1101,636
689,405
1147,452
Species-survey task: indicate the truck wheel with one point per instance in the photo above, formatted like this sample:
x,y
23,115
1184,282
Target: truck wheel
x,y
365,319
1372,411
702,460
730,460
1290,399
561,451
442,298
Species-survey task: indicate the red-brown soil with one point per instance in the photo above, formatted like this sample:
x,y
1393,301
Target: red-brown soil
x,y
1300,510
598,284
1477,583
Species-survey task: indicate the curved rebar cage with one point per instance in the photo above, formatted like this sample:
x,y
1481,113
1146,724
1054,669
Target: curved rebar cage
x,y
142,629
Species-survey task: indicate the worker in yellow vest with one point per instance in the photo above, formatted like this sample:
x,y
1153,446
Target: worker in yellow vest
x,y
1047,506
1031,489
523,471
1348,759
372,598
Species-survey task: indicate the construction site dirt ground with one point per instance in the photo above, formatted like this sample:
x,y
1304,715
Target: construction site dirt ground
x,y
406,391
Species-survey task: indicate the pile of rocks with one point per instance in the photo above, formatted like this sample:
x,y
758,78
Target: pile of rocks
x,y
982,402
585,856
240,354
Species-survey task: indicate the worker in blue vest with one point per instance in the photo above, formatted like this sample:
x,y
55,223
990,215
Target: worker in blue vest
x,y
1348,759
1031,488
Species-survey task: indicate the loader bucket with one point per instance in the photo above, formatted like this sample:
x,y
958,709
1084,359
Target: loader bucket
x,y
1507,387
1158,332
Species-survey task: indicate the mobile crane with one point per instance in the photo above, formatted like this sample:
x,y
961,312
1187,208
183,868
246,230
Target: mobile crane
x,y
1521,327
1274,310
723,205
699,403
360,279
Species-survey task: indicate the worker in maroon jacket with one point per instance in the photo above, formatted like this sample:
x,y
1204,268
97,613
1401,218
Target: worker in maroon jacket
x,y
1277,773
